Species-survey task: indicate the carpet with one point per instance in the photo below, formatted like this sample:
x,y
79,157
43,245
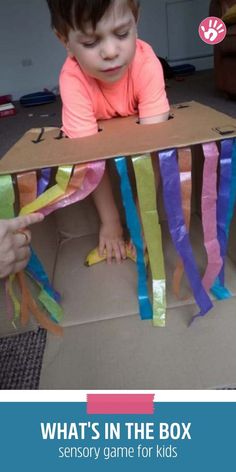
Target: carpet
x,y
21,360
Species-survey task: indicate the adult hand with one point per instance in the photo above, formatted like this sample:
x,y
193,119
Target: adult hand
x,y
15,240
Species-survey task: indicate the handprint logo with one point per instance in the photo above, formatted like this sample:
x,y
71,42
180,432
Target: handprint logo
x,y
212,30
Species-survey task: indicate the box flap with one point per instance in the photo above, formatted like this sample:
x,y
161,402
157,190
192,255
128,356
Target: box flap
x,y
191,123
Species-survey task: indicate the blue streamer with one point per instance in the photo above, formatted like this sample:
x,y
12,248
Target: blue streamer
x,y
173,205
135,230
36,270
224,210
219,291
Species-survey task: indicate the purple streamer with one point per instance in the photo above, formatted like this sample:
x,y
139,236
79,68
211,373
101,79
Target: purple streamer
x,y
173,205
43,182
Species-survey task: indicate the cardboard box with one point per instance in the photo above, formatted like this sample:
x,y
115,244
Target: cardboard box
x,y
105,343
191,124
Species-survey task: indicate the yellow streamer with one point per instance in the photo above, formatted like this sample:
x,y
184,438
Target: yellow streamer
x,y
62,179
147,201
14,299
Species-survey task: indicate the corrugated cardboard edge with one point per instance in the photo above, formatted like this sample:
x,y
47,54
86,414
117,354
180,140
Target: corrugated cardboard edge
x,y
191,123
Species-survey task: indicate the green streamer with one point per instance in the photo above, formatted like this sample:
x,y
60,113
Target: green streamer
x,y
7,197
14,299
51,306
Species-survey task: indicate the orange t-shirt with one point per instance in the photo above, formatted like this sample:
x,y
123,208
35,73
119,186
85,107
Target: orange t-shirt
x,y
85,99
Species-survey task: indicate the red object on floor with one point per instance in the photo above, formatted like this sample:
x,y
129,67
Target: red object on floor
x,y
7,109
5,99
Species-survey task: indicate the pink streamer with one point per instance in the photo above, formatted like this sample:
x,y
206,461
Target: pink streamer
x,y
94,173
209,195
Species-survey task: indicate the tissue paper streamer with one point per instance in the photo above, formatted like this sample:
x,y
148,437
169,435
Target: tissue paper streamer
x,y
28,190
147,202
27,187
72,184
135,230
185,172
62,181
37,272
20,309
172,193
49,297
232,199
84,180
223,209
7,200
209,196
28,305
44,179
7,197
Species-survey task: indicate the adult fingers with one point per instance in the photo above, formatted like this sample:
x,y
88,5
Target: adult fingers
x,y
22,259
18,266
21,222
22,238
22,253
14,262
5,271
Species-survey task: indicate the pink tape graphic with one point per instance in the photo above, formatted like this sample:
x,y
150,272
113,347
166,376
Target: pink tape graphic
x,y
120,404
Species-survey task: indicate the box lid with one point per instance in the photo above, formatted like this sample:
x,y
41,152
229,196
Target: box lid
x,y
191,123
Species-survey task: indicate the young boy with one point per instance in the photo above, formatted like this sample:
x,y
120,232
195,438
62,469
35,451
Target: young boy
x,y
108,73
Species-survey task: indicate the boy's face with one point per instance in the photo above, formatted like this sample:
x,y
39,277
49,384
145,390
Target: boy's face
x,y
106,52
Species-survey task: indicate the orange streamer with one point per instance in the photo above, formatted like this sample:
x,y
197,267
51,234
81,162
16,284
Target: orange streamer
x,y
28,303
27,186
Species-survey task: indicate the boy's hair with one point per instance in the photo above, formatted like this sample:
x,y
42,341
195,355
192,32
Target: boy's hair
x,y
72,14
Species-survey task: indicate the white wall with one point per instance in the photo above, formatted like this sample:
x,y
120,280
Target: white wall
x,y
152,25
171,26
31,56
26,36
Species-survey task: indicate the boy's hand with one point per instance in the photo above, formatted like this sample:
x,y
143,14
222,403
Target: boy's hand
x,y
111,241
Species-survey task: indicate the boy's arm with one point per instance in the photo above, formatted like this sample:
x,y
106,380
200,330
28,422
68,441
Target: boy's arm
x,y
111,232
154,119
